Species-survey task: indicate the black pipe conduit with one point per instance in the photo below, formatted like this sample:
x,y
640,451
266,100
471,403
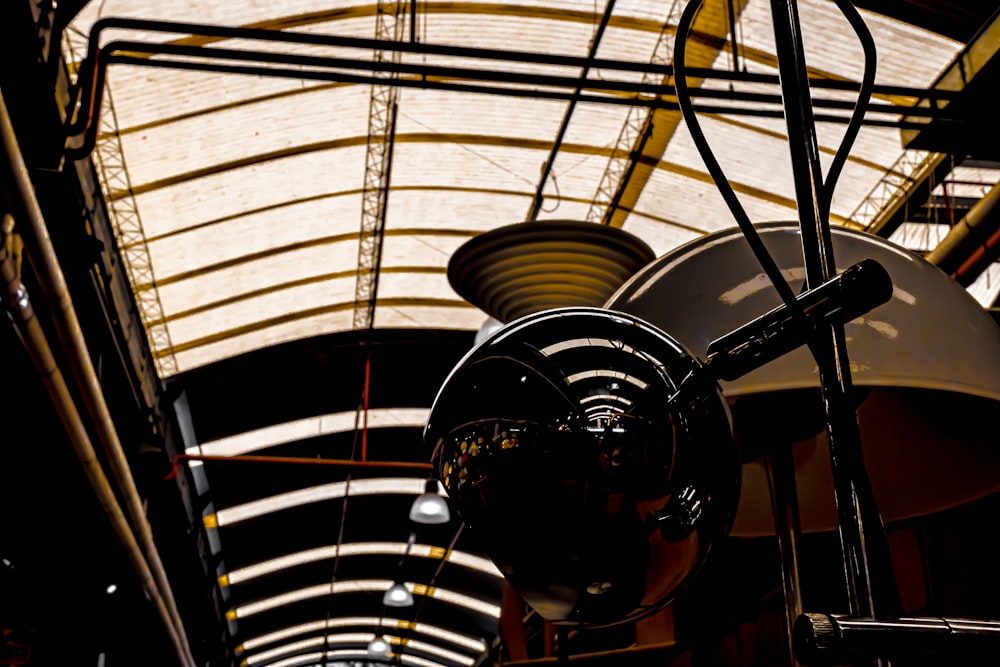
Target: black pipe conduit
x,y
422,82
435,72
92,72
260,34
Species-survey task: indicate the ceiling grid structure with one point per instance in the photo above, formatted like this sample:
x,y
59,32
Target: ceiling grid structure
x,y
250,189
235,191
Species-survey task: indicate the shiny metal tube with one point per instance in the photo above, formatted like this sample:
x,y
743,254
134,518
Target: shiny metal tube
x,y
827,639
852,293
28,213
973,243
780,467
38,348
865,551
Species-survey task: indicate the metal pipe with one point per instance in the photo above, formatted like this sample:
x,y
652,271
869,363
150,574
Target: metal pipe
x,y
92,70
429,78
89,83
828,639
431,74
972,244
42,255
298,460
780,468
861,530
31,334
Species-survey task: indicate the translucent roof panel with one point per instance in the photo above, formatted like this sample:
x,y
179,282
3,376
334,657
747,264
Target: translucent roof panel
x,y
249,206
253,195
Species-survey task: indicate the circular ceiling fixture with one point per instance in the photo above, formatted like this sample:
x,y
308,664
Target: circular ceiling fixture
x,y
523,268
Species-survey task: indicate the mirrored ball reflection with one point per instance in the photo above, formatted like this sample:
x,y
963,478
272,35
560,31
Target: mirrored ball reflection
x,y
593,459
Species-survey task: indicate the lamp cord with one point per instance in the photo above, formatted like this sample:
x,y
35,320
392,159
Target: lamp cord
x,y
685,103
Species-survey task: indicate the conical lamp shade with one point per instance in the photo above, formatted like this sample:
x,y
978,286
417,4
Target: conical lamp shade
x,y
378,647
397,596
429,507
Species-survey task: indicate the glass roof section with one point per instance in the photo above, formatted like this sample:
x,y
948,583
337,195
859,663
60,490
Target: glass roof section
x,y
358,549
243,204
348,621
245,193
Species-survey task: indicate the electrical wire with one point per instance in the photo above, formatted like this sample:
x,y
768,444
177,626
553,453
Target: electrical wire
x,y
343,511
715,170
437,572
861,105
684,101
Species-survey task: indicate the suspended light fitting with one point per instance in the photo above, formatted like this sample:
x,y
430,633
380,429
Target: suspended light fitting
x,y
430,507
379,646
521,268
397,595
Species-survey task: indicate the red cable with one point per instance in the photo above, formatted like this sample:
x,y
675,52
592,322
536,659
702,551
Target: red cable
x,y
364,425
298,460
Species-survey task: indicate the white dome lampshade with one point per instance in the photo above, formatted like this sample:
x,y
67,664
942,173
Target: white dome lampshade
x,y
379,647
927,361
397,595
430,507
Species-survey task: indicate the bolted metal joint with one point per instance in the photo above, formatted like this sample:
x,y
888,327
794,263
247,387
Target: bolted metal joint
x,y
679,516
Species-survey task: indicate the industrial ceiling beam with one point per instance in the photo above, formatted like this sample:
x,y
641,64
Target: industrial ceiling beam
x,y
973,243
595,42
634,134
641,146
969,125
383,105
906,185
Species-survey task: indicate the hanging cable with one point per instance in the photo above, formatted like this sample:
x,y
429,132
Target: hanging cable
x,y
364,403
715,170
536,201
860,108
685,103
437,572
343,515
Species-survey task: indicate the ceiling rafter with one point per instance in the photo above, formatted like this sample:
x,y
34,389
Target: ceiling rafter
x,y
650,143
306,314
383,112
299,245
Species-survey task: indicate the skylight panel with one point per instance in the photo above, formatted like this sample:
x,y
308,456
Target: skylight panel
x,y
349,621
299,429
313,494
460,558
362,585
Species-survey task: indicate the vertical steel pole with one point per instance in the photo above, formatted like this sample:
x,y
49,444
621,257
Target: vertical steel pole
x,y
780,466
860,525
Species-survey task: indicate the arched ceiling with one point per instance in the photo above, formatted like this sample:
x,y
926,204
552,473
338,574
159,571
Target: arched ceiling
x,y
243,196
244,208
